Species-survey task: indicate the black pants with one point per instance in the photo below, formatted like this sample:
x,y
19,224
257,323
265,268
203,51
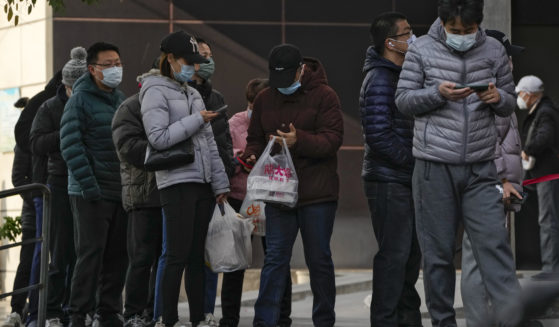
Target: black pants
x,y
188,208
23,272
144,248
61,247
232,290
396,265
100,240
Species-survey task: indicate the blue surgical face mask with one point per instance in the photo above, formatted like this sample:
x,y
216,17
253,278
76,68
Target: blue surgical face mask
x,y
112,76
206,71
459,42
290,89
185,74
408,42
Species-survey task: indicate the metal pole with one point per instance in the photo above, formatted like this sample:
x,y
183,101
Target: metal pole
x,y
43,291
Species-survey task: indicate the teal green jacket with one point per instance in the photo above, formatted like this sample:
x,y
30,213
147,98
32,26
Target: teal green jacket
x,y
86,141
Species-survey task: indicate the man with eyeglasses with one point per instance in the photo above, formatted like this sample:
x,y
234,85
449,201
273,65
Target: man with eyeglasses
x,y
387,170
94,188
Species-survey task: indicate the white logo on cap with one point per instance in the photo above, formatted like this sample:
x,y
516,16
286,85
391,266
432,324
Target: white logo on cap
x,y
194,44
279,68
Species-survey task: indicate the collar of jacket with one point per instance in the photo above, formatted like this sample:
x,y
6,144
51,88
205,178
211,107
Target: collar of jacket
x,y
86,84
374,60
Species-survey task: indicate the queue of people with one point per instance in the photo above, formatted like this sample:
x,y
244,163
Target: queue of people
x,y
442,148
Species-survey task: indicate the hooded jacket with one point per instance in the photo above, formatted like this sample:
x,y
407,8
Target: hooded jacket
x,y
86,141
170,115
139,187
387,132
45,137
454,132
315,111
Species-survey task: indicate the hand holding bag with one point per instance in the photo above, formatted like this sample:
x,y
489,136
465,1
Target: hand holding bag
x,y
273,178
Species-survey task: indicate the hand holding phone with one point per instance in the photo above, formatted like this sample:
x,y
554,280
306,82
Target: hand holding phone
x,y
221,110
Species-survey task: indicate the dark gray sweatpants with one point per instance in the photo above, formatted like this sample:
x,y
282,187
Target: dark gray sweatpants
x,y
444,194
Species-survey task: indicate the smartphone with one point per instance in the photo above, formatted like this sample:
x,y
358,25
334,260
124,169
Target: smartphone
x,y
475,87
221,110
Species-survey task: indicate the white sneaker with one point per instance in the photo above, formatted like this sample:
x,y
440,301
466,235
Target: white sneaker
x,y
210,321
54,322
13,320
159,323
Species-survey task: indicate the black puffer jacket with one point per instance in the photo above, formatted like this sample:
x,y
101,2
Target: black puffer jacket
x,y
45,137
139,187
22,170
543,144
213,100
387,132
23,125
23,128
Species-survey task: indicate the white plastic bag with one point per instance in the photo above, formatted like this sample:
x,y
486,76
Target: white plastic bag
x,y
273,178
254,210
228,243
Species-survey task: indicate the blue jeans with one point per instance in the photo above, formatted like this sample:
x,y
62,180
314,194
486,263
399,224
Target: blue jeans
x,y
316,222
211,290
158,301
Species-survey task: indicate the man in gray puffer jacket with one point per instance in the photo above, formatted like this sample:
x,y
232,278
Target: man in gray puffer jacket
x,y
454,146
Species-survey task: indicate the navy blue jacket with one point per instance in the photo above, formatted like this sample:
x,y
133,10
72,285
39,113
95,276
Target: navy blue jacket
x,y
387,132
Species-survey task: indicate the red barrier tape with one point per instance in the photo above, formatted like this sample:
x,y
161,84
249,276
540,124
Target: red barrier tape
x,y
542,179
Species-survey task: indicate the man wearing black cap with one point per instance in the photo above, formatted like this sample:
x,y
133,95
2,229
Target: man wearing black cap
x,y
301,108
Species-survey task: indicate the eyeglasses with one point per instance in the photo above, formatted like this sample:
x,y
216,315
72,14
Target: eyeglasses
x,y
109,65
410,33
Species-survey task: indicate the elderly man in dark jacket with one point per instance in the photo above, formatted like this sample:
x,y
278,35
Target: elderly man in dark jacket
x,y
387,170
94,187
454,80
140,198
300,107
45,141
540,153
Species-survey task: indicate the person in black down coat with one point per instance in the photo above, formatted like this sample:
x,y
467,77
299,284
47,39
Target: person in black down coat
x,y
387,172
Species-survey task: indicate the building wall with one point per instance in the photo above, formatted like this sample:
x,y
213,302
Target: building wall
x,y
25,65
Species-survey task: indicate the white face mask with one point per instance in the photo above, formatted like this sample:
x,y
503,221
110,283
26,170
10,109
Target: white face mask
x,y
521,103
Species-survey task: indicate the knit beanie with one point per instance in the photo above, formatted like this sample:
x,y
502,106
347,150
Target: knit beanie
x,y
75,67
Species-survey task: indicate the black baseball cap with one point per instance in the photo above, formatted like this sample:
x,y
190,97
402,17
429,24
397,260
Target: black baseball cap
x,y
283,62
184,46
512,50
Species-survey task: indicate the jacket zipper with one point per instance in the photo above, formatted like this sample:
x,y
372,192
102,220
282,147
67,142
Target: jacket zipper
x,y
466,114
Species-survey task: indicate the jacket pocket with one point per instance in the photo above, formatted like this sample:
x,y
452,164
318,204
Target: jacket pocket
x,y
425,132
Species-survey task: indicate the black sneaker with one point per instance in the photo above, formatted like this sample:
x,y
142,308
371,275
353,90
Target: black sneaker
x,y
77,321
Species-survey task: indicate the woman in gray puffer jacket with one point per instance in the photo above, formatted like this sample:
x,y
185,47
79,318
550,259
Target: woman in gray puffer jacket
x,y
172,114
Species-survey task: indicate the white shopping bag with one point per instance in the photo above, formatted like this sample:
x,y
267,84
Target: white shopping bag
x,y
254,210
228,243
273,178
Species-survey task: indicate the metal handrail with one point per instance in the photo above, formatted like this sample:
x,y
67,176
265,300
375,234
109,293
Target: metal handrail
x,y
43,282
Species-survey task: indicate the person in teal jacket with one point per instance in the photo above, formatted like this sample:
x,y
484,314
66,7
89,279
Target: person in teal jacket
x,y
94,188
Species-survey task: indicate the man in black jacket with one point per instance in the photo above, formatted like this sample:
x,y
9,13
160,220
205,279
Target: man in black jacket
x,y
540,141
140,198
37,174
387,172
213,100
45,142
21,175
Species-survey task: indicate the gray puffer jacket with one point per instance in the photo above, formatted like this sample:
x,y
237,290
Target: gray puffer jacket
x,y
454,132
171,114
507,159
